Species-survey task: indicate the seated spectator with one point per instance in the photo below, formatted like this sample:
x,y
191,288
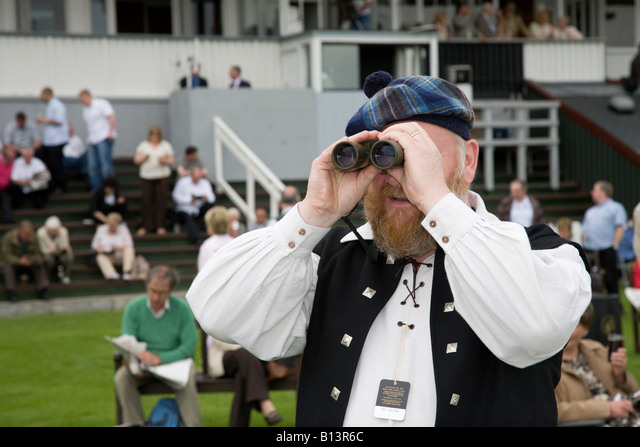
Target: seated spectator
x,y
190,160
74,155
251,389
56,249
6,165
236,226
193,196
216,220
565,31
565,228
21,133
541,27
290,196
22,256
165,323
590,383
520,207
107,200
29,180
113,246
155,158
262,219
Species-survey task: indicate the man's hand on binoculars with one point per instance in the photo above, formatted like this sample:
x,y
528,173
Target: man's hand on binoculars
x,y
422,177
332,193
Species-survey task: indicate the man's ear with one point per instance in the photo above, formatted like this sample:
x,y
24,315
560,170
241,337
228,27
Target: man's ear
x,y
471,160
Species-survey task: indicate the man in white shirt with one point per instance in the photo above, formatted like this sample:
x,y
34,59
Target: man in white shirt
x,y
520,206
100,119
193,196
29,180
20,133
54,137
75,154
432,313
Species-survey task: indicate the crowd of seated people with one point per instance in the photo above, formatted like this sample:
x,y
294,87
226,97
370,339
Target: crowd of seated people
x,y
26,182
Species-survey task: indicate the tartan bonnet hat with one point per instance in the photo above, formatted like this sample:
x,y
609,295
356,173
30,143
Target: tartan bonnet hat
x,y
414,98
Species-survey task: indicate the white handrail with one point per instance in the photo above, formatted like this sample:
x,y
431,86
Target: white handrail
x,y
514,115
256,170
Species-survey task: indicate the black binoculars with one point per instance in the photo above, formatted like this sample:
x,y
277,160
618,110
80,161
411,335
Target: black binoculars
x,y
383,154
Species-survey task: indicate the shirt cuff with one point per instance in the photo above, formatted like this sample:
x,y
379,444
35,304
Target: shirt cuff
x,y
449,221
295,234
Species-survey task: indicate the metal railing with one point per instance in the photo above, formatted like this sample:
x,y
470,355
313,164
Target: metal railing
x,y
256,171
517,125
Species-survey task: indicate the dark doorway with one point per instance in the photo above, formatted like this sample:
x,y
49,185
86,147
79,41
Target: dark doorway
x,y
375,58
143,17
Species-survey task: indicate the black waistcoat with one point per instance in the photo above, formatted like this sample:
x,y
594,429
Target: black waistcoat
x,y
474,388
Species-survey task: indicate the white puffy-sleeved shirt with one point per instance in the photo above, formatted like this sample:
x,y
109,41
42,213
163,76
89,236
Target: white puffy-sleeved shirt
x,y
258,292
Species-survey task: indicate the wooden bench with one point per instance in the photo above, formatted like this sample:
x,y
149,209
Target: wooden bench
x,y
204,382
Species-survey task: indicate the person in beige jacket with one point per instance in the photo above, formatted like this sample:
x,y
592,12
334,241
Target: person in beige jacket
x,y
56,248
591,386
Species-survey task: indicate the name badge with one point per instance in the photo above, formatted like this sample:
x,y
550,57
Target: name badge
x,y
392,400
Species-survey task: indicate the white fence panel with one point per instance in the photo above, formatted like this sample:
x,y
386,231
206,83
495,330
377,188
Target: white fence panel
x,y
565,61
129,67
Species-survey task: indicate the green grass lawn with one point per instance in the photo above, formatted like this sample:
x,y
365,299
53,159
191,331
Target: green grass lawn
x,y
57,370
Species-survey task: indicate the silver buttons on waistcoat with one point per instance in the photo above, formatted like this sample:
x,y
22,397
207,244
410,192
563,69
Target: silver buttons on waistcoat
x,y
346,340
369,292
455,398
448,307
335,393
452,347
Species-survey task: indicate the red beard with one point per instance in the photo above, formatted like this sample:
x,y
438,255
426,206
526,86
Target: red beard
x,y
399,232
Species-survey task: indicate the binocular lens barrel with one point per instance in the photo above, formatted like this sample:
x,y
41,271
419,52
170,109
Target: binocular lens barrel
x,y
383,154
386,154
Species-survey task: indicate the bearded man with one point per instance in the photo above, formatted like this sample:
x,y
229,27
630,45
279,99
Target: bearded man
x,y
433,313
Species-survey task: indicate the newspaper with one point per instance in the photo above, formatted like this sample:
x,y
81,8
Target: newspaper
x,y
175,374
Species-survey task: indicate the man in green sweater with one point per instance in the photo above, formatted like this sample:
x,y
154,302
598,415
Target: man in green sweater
x,y
165,323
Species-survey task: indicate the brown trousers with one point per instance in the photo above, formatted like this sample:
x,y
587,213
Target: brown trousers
x,y
38,272
155,194
249,383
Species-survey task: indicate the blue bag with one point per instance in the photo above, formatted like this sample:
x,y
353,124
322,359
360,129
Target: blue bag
x,y
165,413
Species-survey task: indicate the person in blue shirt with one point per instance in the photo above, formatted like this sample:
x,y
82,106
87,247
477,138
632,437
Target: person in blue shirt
x,y
55,136
603,228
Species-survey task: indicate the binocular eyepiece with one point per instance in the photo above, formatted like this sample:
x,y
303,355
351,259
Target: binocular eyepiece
x,y
383,154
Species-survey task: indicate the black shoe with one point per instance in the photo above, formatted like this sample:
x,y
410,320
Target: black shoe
x,y
273,417
44,295
13,296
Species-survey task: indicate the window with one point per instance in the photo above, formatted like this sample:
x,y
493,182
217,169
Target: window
x,y
206,17
98,17
47,16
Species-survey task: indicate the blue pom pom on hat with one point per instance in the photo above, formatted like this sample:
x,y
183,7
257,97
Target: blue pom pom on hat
x,y
414,98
